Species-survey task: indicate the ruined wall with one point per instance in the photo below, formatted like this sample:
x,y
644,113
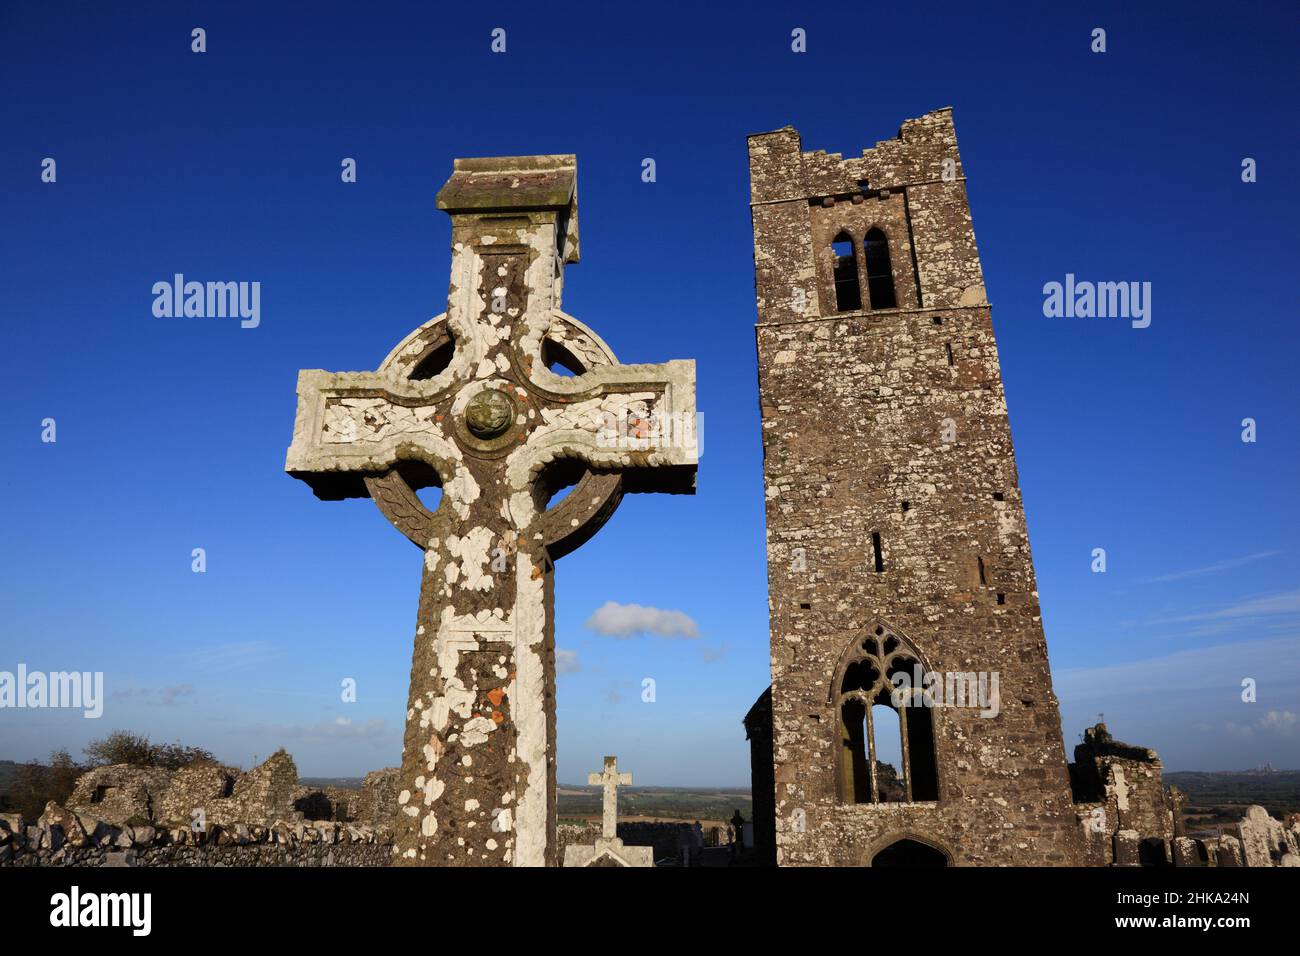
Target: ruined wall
x,y
119,792
121,815
667,838
855,407
1098,826
377,802
326,803
1122,787
61,837
264,793
758,728
195,787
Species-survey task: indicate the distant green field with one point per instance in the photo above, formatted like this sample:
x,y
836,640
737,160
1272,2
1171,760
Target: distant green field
x,y
1219,799
669,803
343,783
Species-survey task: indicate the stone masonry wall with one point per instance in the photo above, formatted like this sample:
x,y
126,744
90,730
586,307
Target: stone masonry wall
x,y
667,838
854,410
61,837
118,792
212,794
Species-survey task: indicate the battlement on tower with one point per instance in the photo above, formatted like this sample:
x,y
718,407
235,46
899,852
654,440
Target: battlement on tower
x,y
780,169
888,230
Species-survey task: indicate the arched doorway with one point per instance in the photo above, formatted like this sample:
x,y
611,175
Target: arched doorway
x,y
911,853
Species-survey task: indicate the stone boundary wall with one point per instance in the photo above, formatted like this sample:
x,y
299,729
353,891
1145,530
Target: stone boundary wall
x,y
62,837
258,855
666,838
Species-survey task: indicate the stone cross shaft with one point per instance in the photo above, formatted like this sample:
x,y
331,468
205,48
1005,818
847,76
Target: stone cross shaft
x,y
502,401
611,780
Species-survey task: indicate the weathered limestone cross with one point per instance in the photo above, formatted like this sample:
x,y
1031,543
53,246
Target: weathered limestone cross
x,y
611,779
472,402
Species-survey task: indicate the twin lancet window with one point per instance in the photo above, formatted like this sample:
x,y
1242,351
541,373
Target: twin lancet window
x,y
880,275
886,731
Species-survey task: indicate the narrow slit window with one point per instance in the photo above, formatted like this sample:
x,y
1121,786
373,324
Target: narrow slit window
x,y
983,575
948,348
880,275
875,547
848,293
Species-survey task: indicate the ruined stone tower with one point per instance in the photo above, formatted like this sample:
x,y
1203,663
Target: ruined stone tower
x,y
895,528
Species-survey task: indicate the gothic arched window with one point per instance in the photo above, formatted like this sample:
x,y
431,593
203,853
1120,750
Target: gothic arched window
x,y
886,733
880,275
848,293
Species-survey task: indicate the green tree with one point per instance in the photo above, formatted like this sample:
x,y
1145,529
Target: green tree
x,y
122,746
36,784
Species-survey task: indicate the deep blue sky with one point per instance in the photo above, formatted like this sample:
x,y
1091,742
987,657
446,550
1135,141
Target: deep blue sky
x,y
225,166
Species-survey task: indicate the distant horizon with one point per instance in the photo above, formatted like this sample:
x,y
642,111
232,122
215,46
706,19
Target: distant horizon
x,y
740,788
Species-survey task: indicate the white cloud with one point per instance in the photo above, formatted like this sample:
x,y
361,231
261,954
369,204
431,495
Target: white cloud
x,y
161,696
1218,668
711,654
1212,568
341,728
1284,602
566,661
169,694
1284,722
627,620
1240,731
225,657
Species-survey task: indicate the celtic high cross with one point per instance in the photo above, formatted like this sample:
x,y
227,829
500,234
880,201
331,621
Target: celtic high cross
x,y
477,401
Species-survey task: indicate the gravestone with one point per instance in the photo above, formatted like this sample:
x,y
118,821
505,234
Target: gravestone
x,y
502,401
608,850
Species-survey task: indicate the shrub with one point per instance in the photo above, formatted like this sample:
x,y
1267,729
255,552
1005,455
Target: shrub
x,y
122,746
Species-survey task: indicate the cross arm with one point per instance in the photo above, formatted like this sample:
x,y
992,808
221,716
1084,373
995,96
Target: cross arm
x,y
350,425
635,420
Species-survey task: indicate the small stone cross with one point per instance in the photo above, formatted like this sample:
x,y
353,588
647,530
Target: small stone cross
x,y
611,780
